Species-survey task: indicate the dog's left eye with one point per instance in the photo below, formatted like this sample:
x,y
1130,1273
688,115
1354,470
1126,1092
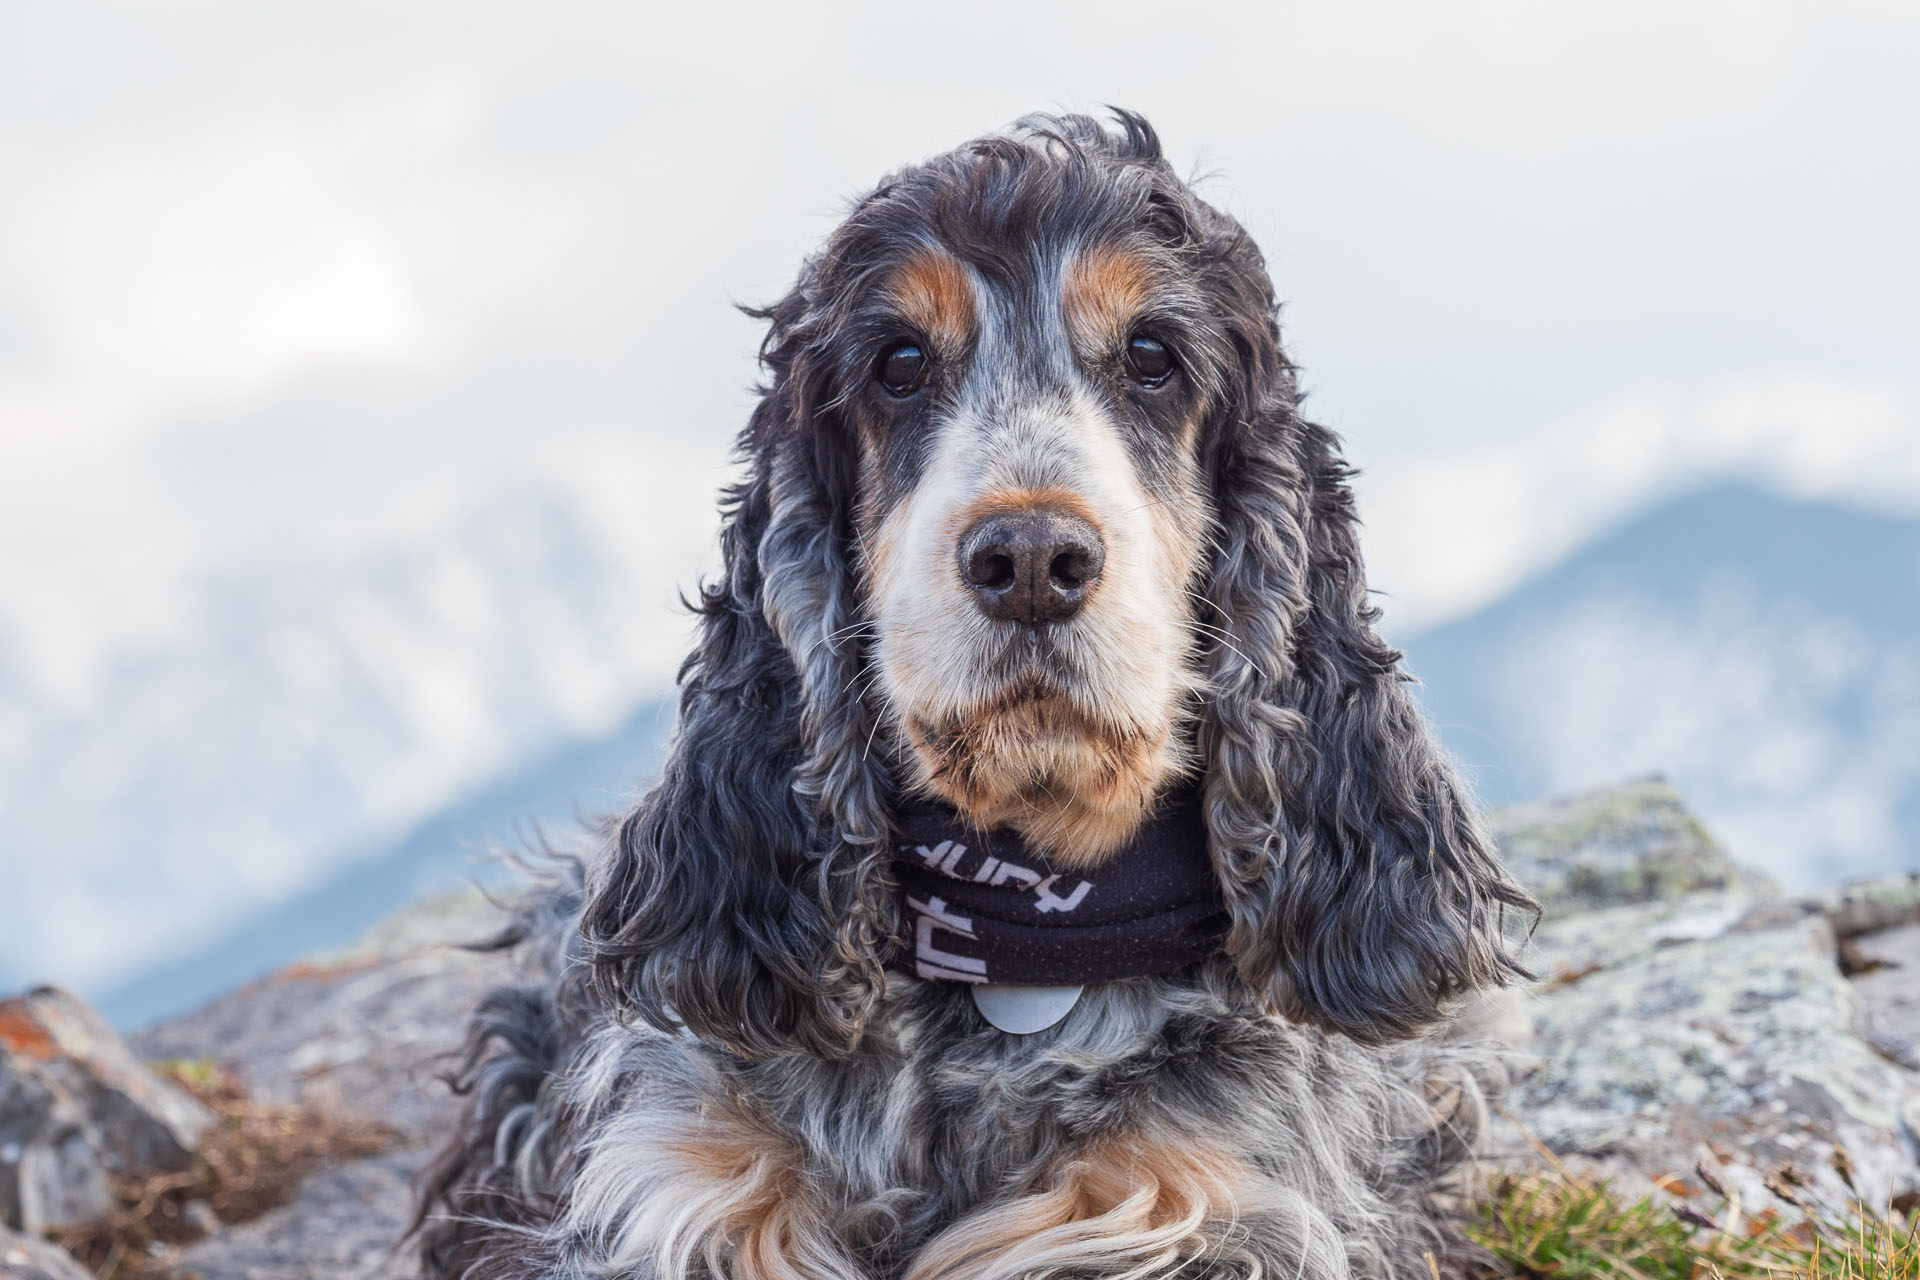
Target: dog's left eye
x,y
1148,360
903,369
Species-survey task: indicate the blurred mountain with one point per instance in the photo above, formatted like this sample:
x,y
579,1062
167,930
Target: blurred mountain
x,y
548,803
1763,653
302,714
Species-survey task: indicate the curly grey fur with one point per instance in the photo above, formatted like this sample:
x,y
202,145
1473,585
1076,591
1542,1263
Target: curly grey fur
x,y
726,986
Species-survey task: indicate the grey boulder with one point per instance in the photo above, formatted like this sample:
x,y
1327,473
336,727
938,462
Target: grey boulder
x,y
1692,1016
77,1106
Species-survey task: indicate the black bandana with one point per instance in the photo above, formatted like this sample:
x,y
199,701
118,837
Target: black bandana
x,y
983,907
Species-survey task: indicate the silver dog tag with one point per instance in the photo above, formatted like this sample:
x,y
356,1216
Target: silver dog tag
x,y
1024,1010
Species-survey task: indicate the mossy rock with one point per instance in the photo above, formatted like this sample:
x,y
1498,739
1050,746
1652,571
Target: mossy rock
x,y
1613,847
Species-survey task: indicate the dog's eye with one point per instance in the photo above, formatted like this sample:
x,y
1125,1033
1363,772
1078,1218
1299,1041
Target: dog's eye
x,y
1148,360
903,369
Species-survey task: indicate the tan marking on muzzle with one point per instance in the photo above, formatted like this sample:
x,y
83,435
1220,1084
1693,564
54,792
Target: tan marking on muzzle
x,y
1055,497
1106,290
933,294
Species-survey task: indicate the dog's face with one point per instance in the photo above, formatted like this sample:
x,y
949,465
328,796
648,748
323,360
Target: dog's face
x,y
1027,388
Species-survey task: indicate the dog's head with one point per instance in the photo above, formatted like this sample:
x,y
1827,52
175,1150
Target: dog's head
x,y
1031,523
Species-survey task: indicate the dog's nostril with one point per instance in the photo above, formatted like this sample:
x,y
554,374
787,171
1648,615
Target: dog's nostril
x,y
1071,569
992,571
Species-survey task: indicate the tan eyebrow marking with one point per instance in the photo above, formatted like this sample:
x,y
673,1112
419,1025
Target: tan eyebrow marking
x,y
1106,290
933,294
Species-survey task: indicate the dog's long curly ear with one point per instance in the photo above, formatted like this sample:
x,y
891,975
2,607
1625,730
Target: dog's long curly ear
x,y
1363,895
746,898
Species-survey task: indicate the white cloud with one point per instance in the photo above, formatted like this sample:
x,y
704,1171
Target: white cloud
x,y
213,275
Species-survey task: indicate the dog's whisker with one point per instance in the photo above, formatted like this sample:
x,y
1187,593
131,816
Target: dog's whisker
x,y
1157,501
831,638
1226,641
1206,603
866,680
868,751
1222,636
846,632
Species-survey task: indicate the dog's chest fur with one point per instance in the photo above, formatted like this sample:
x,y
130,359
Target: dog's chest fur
x,y
938,1123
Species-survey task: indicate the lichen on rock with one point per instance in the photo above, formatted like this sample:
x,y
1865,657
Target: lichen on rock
x,y
1614,846
1692,1015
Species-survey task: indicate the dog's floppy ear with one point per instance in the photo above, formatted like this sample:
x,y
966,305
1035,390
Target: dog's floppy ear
x,y
1363,895
746,897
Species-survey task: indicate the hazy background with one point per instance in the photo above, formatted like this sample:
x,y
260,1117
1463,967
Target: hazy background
x,y
366,374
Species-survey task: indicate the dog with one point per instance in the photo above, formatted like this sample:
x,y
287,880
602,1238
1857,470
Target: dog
x,y
1032,541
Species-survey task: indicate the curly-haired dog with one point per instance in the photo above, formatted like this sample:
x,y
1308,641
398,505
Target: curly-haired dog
x,y
1032,542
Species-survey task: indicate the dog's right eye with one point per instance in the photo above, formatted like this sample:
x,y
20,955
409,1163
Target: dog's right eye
x,y
1149,363
903,369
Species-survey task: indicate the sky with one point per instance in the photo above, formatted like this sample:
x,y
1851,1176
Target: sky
x,y
281,284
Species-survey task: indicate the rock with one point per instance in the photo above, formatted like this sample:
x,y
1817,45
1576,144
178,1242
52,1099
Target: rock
x,y
52,1172
347,1223
1565,947
1691,1014
1611,847
438,920
362,1032
1870,905
1890,990
26,1258
75,1106
147,1123
1742,1050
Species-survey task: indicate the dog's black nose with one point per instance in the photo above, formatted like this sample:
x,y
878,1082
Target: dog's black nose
x,y
1033,565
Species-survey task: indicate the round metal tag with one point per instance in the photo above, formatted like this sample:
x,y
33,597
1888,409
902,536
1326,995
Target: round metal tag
x,y
1024,1010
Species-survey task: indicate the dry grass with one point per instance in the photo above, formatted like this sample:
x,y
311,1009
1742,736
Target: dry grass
x,y
1554,1226
251,1160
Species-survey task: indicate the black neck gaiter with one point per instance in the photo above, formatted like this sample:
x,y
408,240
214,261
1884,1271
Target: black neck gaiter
x,y
984,908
